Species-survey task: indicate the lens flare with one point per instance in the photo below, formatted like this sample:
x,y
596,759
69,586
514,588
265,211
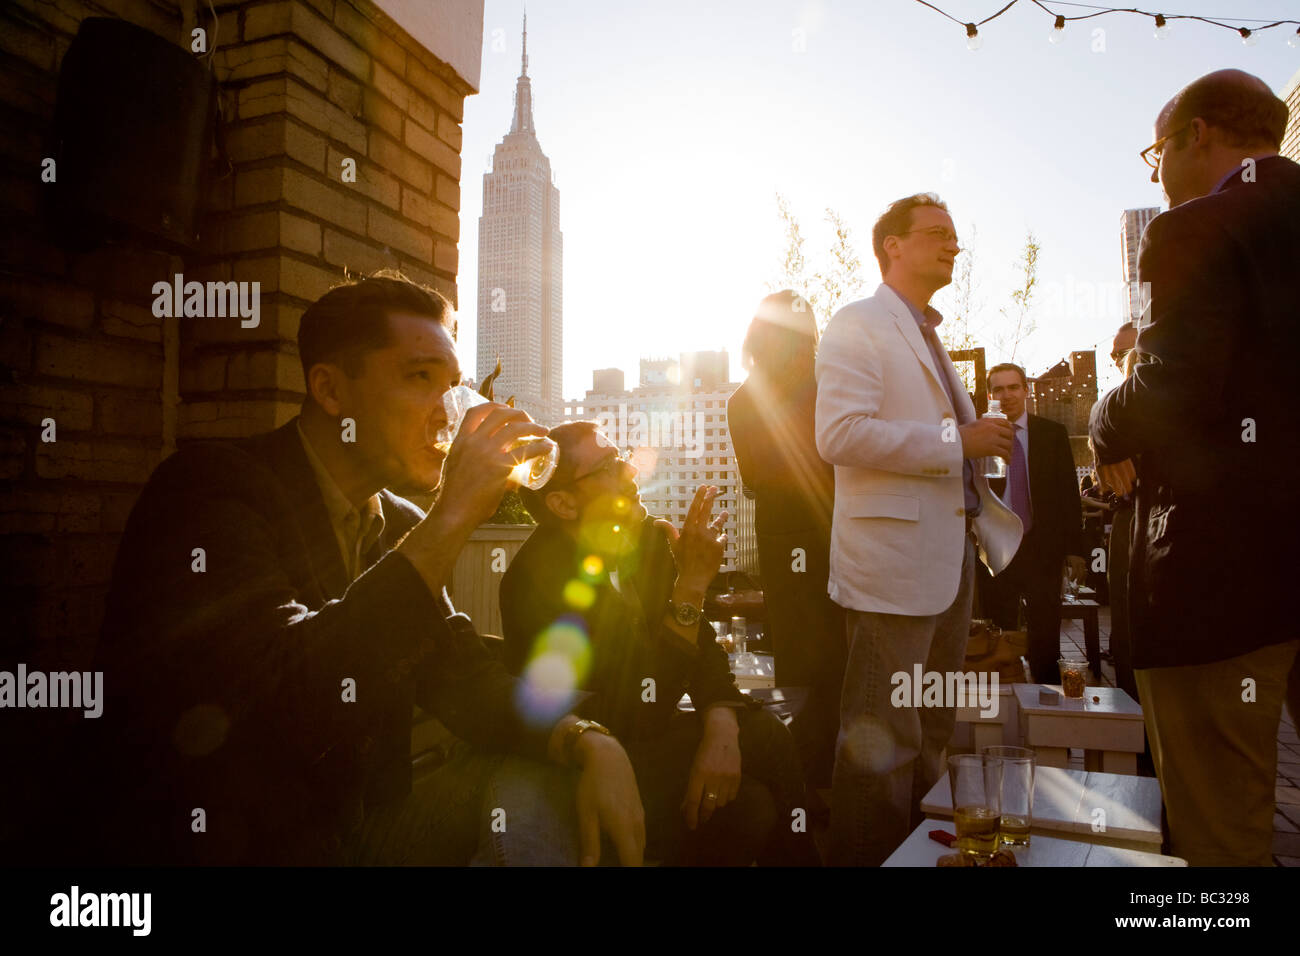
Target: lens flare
x,y
869,745
560,662
579,595
592,566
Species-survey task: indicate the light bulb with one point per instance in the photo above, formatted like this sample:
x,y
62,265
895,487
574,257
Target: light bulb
x,y
1058,31
1163,29
1248,38
973,39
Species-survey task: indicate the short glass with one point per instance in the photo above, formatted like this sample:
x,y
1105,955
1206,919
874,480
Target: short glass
x,y
976,782
1016,799
532,472
1074,677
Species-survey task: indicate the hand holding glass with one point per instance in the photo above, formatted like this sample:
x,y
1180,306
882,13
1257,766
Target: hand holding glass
x,y
533,472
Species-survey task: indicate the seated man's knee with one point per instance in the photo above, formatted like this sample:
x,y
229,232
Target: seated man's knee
x,y
529,816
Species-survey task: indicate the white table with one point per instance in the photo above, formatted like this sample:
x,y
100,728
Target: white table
x,y
1109,731
919,850
976,731
1066,805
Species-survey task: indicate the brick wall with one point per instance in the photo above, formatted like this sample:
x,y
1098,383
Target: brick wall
x,y
304,85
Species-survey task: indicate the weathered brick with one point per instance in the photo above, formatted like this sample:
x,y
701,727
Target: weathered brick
x,y
15,345
98,460
403,163
326,201
264,369
344,93
24,511
391,86
369,37
433,215
120,415
302,22
249,231
426,276
88,558
435,88
262,139
256,186
354,255
264,270
263,98
299,234
203,372
49,302
377,111
27,43
129,321
31,254
428,146
370,182
129,272
269,57
278,318
305,281
449,131
71,411
229,419
446,257
448,191
90,361
305,146
400,234
13,453
29,561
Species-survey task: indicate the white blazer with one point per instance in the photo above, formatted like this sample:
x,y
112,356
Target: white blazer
x,y
886,424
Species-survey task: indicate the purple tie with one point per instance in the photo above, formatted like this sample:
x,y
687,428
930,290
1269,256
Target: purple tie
x,y
1018,484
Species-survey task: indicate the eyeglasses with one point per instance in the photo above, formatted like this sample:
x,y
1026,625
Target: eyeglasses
x,y
609,466
1151,155
937,232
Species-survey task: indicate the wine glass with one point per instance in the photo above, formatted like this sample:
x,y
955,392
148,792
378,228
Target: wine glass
x,y
533,472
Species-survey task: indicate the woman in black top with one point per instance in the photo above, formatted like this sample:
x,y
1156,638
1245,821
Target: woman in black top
x,y
771,418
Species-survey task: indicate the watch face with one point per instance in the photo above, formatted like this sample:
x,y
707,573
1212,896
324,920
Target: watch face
x,y
686,614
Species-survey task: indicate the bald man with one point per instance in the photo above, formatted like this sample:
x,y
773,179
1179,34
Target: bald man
x,y
1209,412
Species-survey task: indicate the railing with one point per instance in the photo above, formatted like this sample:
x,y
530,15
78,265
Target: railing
x,y
476,580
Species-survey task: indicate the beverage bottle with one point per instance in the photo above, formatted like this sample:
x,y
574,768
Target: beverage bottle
x,y
994,466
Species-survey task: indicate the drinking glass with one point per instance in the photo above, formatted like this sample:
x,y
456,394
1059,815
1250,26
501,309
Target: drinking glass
x,y
1016,801
1074,677
976,782
746,662
532,472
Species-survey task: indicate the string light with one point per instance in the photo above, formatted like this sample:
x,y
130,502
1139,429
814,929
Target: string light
x,y
1163,28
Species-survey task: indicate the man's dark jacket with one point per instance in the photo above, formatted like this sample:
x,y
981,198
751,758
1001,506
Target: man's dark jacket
x,y
1210,415
1057,528
629,641
225,684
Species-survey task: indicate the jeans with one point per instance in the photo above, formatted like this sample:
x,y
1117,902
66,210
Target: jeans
x,y
887,757
477,809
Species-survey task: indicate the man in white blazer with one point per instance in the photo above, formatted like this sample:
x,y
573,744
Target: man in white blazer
x,y
896,422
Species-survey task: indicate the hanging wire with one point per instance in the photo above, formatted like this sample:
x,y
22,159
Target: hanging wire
x,y
1102,11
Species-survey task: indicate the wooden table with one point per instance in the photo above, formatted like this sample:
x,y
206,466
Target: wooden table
x,y
919,850
977,731
1069,804
1085,609
1109,731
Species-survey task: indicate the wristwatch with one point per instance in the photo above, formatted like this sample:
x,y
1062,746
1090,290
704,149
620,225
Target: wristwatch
x,y
687,615
576,730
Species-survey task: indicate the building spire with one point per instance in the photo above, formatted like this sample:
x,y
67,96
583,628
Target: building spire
x,y
523,121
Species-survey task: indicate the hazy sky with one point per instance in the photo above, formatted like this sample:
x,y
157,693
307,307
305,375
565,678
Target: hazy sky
x,y
671,126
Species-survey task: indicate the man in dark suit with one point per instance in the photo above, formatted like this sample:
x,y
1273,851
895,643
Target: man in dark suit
x,y
612,597
1209,415
276,613
1041,488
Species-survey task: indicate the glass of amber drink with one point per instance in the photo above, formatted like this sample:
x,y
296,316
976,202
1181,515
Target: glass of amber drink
x,y
976,782
1016,803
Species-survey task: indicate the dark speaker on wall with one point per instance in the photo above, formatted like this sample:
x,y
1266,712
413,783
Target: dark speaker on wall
x,y
134,125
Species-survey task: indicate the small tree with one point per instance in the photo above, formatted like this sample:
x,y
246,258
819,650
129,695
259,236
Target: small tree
x,y
825,289
1020,319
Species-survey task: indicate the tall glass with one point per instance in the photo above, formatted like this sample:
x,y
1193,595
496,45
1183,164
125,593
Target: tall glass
x,y
976,782
532,472
1016,803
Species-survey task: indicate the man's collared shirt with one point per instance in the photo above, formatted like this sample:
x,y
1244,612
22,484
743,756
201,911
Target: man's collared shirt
x,y
928,322
356,530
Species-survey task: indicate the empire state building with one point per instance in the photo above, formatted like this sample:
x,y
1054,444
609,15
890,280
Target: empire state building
x,y
520,317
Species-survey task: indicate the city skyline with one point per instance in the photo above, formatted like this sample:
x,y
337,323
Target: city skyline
x,y
674,129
